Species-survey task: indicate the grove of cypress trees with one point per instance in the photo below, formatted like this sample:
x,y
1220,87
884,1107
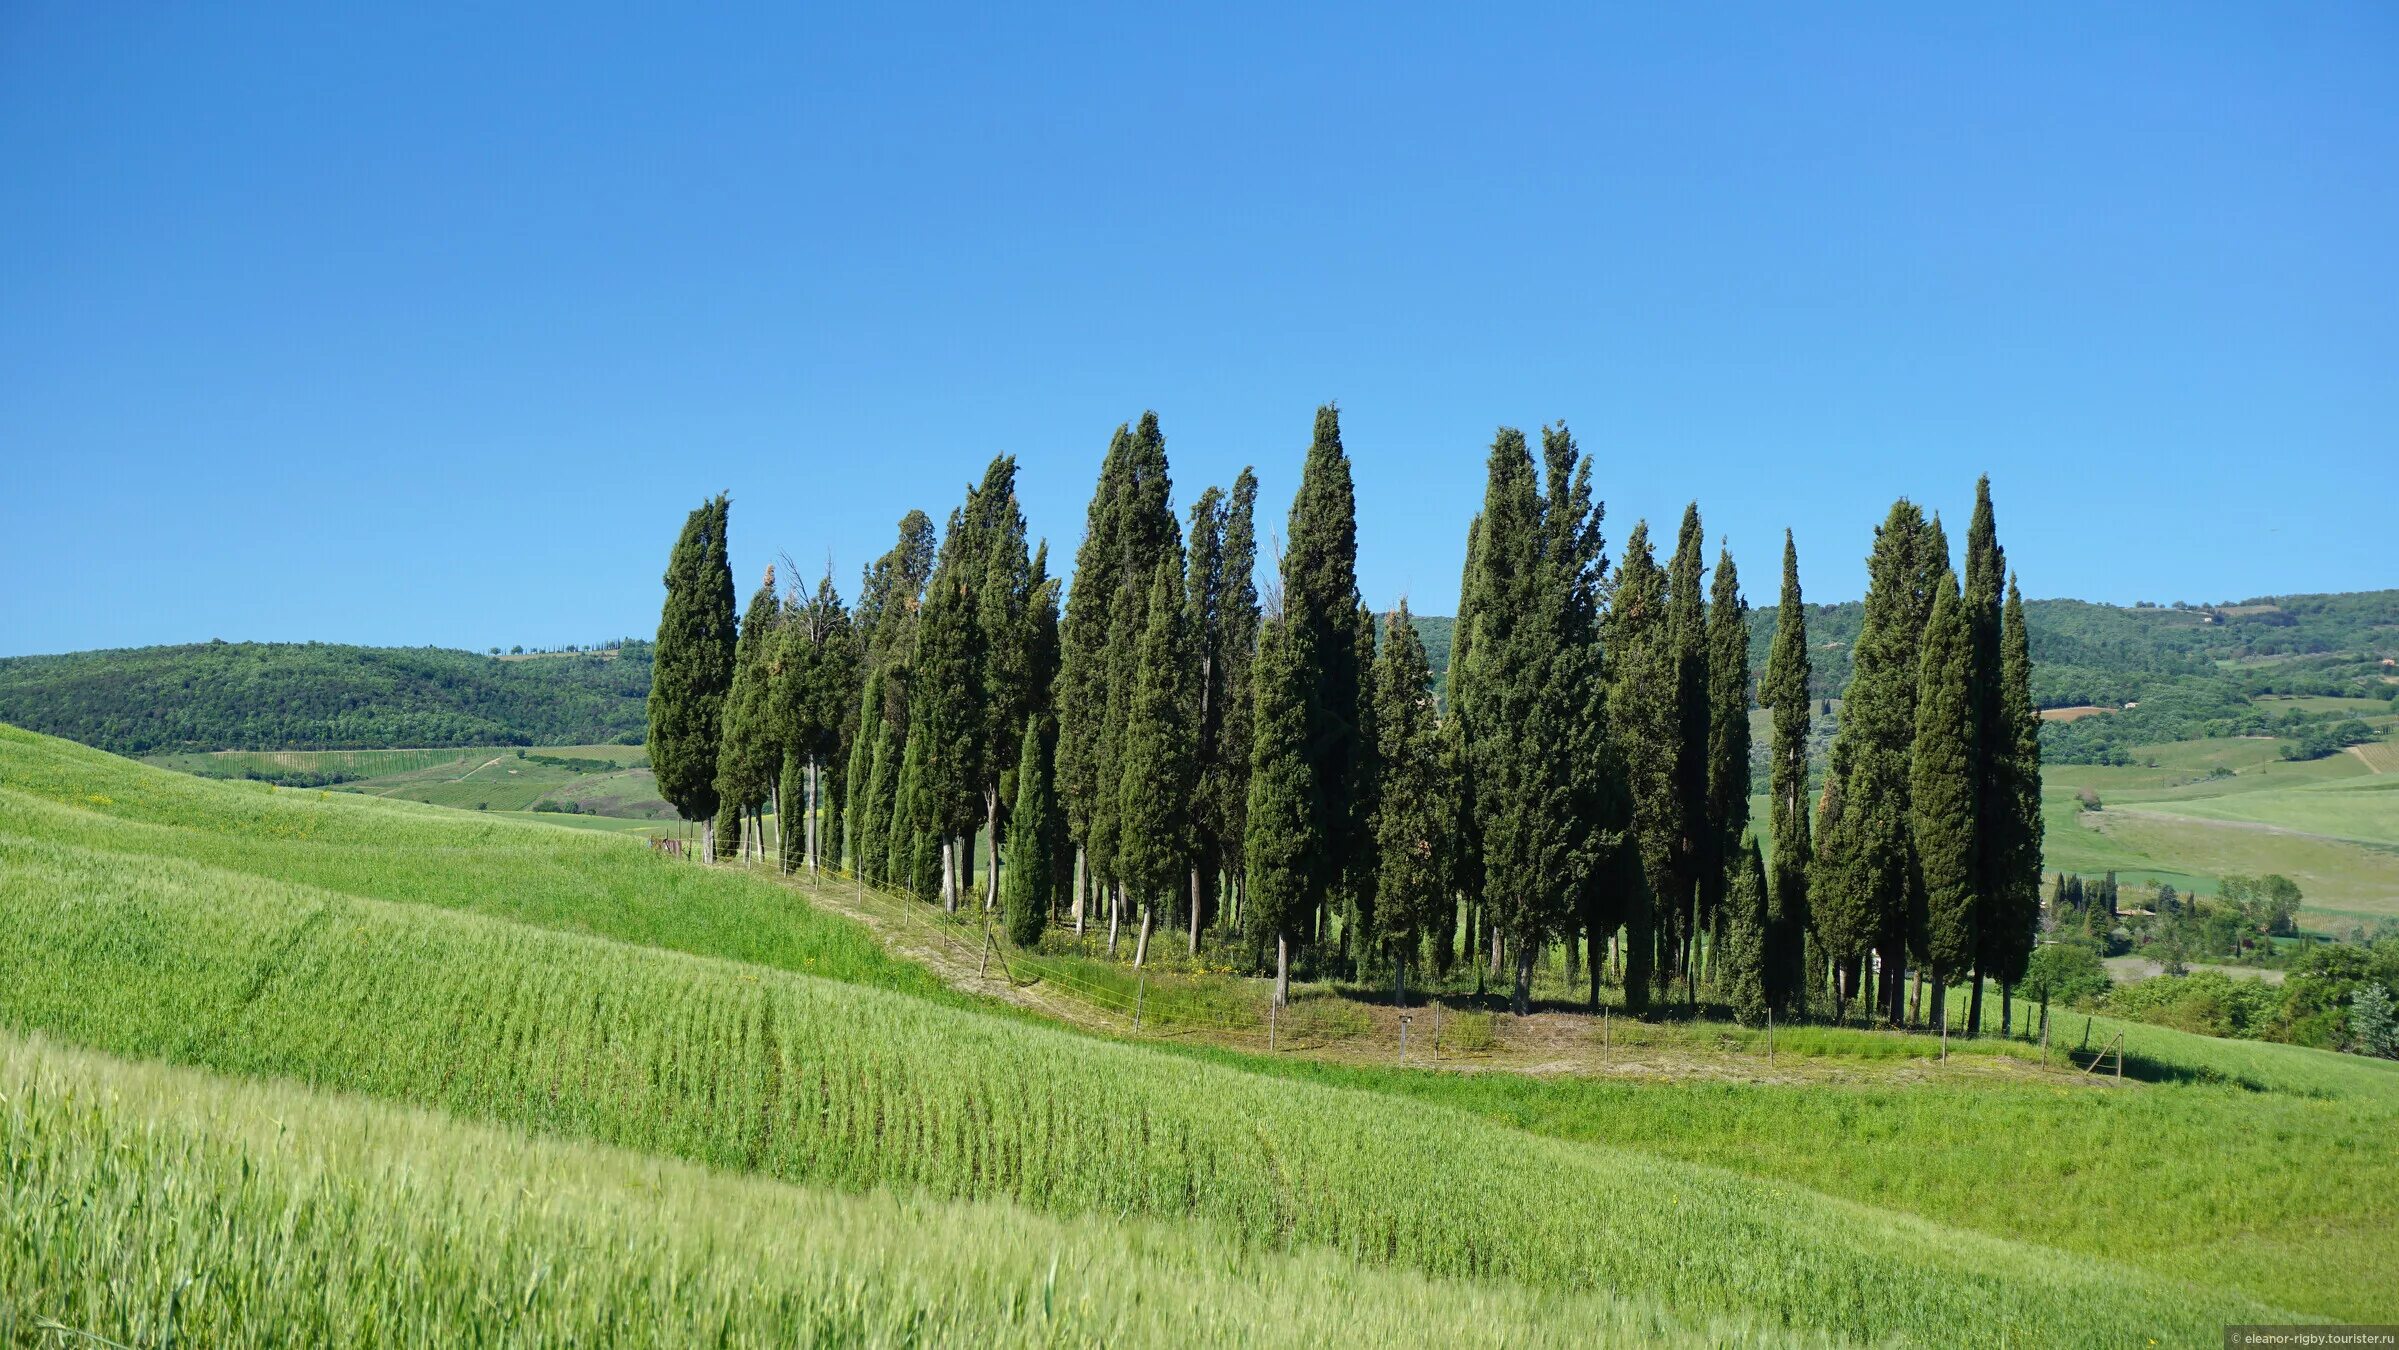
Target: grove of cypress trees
x,y
1784,691
692,669
1411,807
750,754
1942,789
1159,769
1033,829
1728,733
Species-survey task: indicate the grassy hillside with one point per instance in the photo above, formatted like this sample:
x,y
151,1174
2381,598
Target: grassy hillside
x,y
289,696
516,975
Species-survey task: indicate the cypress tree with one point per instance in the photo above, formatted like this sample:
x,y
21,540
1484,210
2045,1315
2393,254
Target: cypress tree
x,y
1227,787
1728,733
1694,851
892,591
2015,843
1746,922
1033,828
1084,655
1008,636
1359,923
1942,790
750,753
1320,603
877,776
1159,771
692,667
1466,849
1838,898
1994,803
816,695
1785,692
1282,844
946,699
1644,715
1413,876
1875,863
1204,621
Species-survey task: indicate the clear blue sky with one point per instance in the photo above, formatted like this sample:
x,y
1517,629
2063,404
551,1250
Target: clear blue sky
x,y
429,326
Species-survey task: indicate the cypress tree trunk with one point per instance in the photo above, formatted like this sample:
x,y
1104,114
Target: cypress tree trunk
x,y
1116,904
2007,1014
1282,970
1524,976
1195,910
1081,888
1574,956
1141,943
1974,1002
949,874
991,832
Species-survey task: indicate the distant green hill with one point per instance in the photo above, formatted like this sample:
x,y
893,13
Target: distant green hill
x,y
325,696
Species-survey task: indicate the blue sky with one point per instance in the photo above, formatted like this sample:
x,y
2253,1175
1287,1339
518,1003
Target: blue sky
x,y
429,326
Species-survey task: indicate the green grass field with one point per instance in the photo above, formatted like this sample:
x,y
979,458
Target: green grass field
x,y
2191,812
447,1002
605,780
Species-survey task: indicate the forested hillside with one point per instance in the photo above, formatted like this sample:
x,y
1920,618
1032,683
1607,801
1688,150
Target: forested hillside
x,y
325,696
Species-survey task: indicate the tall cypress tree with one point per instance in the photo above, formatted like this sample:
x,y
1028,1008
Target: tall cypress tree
x,y
750,753
1784,691
1873,842
891,592
1241,619
816,696
1085,633
1644,717
877,777
1204,619
1320,603
1728,734
946,698
1466,849
692,669
1694,850
1942,789
1745,958
1281,848
1034,826
1358,882
1159,770
2015,842
1008,637
1411,807
1986,572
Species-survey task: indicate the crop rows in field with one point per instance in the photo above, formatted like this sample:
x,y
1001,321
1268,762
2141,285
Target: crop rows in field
x,y
803,1080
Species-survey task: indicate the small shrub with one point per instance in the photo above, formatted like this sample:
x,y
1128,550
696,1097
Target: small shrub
x,y
1468,1034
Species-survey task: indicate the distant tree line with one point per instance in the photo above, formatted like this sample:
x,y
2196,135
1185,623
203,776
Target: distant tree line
x,y
323,696
1161,745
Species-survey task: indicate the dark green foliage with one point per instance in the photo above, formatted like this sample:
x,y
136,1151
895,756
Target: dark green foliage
x,y
1683,886
1527,700
694,663
1084,654
1285,815
905,835
1944,784
1157,759
1728,730
726,835
1784,691
1205,591
1411,803
323,696
1008,634
750,754
817,711
1644,718
1225,784
1030,880
1870,896
1744,963
892,591
2013,839
878,781
1320,604
945,710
